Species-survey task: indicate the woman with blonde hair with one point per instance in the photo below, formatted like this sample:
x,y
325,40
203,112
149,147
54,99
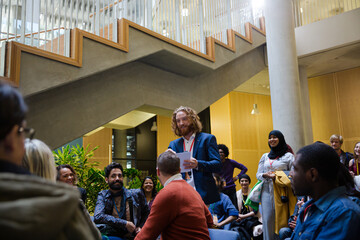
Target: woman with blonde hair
x,y
39,159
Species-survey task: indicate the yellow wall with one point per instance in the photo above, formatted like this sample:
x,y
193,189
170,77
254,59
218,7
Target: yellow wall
x,y
103,139
246,134
220,124
334,102
164,133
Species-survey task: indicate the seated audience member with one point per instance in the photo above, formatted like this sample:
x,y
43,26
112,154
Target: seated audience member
x,y
39,159
336,142
121,212
178,211
248,219
286,232
348,181
354,163
149,190
32,207
223,211
227,172
67,174
330,213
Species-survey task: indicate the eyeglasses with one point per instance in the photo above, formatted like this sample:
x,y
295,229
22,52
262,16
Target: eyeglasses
x,y
29,132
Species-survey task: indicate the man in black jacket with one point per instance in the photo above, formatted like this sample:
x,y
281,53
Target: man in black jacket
x,y
120,212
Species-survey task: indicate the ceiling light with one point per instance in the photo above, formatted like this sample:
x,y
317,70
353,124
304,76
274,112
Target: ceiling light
x,y
255,110
154,127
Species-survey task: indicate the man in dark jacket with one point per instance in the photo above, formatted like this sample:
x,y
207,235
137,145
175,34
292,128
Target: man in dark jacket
x,y
121,212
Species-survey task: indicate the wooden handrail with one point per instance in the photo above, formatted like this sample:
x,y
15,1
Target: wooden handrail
x,y
29,34
105,8
14,49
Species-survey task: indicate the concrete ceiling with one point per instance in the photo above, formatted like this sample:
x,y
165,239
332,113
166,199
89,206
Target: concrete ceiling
x,y
334,60
129,120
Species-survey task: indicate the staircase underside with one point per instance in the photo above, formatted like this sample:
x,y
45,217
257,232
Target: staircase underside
x,y
69,97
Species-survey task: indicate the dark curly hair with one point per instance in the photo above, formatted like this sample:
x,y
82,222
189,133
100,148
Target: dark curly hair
x,y
58,168
111,166
154,192
12,108
224,148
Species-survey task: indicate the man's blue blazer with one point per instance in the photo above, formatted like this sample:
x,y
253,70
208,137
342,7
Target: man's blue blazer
x,y
207,154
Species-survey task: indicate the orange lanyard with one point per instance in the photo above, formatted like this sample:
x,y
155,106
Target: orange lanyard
x,y
191,146
271,162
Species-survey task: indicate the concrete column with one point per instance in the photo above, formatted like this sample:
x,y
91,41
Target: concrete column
x,y
305,103
120,148
283,72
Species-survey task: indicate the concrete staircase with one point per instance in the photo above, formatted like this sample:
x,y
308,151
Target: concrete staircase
x,y
103,80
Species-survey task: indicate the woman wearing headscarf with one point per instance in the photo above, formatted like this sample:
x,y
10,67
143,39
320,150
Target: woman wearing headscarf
x,y
279,158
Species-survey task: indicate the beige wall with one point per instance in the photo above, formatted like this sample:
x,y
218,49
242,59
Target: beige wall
x,y
245,134
334,102
102,139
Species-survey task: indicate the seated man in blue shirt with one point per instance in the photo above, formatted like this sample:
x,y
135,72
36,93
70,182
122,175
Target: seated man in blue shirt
x,y
330,214
223,211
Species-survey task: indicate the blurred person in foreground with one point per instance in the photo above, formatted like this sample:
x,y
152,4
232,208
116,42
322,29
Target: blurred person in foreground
x,y
39,159
32,207
178,211
330,214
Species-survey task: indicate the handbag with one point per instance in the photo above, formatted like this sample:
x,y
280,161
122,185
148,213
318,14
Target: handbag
x,y
254,197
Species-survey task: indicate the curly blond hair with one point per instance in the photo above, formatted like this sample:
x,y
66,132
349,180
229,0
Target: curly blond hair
x,y
196,125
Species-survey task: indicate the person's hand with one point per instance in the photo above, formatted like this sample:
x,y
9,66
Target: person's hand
x,y
218,225
352,174
235,178
192,163
240,217
292,224
137,230
170,150
269,175
300,203
130,227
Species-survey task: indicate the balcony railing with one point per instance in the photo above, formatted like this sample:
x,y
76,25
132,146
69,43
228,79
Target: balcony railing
x,y
46,24
309,11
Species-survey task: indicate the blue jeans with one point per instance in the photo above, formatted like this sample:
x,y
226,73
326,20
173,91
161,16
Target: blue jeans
x,y
285,233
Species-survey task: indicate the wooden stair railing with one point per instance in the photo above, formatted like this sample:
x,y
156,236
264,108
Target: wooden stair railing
x,y
14,49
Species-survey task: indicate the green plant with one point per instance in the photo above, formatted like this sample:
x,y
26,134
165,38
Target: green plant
x,y
133,176
158,186
89,177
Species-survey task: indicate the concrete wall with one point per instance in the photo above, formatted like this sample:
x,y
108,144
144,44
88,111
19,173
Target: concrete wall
x,y
71,110
329,33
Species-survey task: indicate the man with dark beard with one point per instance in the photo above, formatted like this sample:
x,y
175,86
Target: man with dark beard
x,y
205,158
120,212
330,214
